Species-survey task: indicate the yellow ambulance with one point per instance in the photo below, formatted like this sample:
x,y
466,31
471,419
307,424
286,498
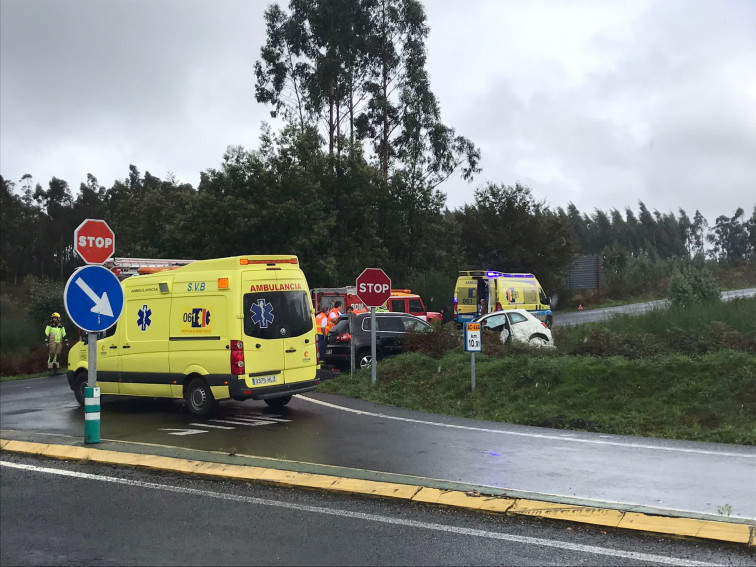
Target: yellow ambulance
x,y
229,328
500,291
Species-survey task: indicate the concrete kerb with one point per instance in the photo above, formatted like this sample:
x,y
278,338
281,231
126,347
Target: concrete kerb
x,y
410,488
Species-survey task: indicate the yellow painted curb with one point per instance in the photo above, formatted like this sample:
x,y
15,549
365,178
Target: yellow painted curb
x,y
705,529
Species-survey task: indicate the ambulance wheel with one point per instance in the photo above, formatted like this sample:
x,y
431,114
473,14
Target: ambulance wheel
x,y
199,398
278,402
80,382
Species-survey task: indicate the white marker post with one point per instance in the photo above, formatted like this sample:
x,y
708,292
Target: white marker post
x,y
472,345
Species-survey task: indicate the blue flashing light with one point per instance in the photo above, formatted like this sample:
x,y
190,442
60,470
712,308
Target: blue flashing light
x,y
493,274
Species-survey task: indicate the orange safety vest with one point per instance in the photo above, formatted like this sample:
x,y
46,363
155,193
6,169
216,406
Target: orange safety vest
x,y
319,322
336,314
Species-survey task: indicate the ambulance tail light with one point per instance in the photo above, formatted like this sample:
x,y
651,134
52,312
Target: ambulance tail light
x,y
343,338
237,357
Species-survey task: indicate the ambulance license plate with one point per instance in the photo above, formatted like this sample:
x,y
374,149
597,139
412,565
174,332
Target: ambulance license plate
x,y
263,380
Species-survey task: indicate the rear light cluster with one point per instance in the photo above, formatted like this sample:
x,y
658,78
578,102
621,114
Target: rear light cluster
x,y
343,338
544,324
237,357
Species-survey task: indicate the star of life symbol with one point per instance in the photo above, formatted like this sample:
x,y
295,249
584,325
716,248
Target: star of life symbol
x,y
144,320
262,313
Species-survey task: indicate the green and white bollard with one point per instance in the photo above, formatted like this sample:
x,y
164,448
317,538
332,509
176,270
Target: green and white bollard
x,y
91,415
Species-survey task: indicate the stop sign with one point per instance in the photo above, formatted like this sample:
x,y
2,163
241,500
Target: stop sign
x,y
373,287
94,241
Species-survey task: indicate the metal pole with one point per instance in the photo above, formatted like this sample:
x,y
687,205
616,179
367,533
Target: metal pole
x,y
372,345
91,359
91,394
351,344
472,370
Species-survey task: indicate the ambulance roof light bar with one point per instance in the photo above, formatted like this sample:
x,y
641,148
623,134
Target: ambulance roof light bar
x,y
145,262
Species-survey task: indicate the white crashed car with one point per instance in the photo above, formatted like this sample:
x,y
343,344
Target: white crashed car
x,y
517,325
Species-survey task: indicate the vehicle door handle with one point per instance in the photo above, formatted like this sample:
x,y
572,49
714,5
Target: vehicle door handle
x,y
125,346
113,346
291,350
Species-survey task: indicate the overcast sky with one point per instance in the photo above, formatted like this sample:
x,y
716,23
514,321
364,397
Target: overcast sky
x,y
599,103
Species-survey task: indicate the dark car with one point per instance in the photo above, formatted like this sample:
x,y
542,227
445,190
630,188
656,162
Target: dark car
x,y
390,331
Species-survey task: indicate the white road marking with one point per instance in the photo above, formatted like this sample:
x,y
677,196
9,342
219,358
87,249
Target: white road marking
x,y
211,426
263,417
593,549
183,431
247,423
565,437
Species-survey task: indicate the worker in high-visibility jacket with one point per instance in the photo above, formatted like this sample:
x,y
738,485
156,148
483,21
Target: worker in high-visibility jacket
x,y
334,315
321,322
55,336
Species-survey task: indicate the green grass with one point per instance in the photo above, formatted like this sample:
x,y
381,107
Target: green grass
x,y
709,398
25,376
677,375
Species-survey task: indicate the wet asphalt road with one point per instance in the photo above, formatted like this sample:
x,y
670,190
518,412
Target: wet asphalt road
x,y
594,315
83,513
695,478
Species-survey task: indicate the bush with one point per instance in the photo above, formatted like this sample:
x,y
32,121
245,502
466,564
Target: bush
x,y
30,361
436,342
693,285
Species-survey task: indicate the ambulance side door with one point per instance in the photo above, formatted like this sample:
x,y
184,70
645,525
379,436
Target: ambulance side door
x,y
144,350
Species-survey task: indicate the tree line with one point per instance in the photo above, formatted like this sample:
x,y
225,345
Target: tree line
x,y
352,179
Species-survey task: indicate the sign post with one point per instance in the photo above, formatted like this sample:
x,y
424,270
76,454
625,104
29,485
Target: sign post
x,y
472,345
93,298
373,289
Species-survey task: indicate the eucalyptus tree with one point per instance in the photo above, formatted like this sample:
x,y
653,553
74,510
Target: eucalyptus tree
x,y
56,227
363,62
730,239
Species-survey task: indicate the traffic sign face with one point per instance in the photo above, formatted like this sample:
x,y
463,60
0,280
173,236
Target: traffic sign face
x,y
472,337
373,287
94,241
93,298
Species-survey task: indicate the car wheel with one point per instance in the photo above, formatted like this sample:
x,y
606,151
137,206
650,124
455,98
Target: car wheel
x,y
364,358
199,398
278,402
538,341
79,384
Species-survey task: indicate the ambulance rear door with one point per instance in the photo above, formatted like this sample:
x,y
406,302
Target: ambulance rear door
x,y
279,341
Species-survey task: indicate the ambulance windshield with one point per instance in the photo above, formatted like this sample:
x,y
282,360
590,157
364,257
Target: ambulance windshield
x,y
277,314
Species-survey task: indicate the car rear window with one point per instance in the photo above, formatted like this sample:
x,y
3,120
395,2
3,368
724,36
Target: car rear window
x,y
414,324
277,314
341,327
393,324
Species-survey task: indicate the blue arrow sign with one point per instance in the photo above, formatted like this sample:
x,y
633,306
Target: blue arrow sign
x,y
93,298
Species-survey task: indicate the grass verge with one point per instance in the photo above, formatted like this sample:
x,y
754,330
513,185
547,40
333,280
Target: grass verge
x,y
676,374
705,398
